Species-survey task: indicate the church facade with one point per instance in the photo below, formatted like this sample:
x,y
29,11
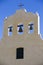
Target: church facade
x,y
22,43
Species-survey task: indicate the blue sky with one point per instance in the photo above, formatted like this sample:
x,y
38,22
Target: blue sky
x,y
9,7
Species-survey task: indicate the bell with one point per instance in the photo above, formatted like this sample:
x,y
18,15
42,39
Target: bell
x,y
31,28
20,29
10,30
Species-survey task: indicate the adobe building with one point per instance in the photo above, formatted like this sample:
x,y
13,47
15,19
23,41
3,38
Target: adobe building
x,y
22,43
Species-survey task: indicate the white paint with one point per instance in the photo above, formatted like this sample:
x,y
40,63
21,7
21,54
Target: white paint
x,y
5,18
25,10
41,36
39,26
38,23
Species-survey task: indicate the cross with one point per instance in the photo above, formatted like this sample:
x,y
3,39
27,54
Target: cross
x,y
20,5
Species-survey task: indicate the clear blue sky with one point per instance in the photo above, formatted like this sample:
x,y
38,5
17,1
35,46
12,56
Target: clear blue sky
x,y
8,7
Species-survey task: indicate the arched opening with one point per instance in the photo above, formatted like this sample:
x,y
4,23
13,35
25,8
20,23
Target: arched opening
x,y
10,30
30,28
20,28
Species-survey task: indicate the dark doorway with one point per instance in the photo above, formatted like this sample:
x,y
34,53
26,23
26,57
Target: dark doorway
x,y
19,53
